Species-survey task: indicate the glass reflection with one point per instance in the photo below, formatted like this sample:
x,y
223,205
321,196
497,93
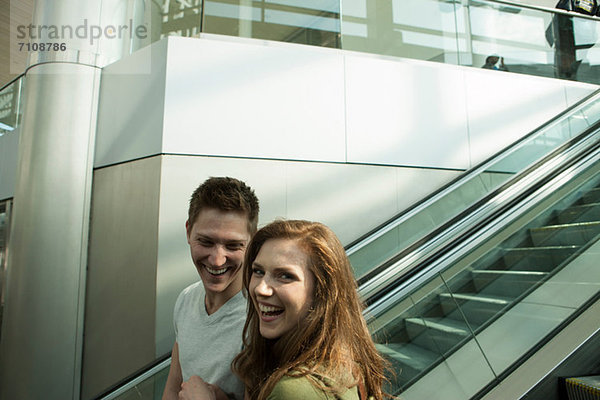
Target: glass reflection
x,y
421,29
4,231
150,388
181,18
10,102
305,22
477,33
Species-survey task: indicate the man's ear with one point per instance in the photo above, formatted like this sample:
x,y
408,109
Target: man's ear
x,y
187,230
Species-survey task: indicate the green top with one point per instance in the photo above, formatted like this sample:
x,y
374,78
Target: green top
x,y
301,388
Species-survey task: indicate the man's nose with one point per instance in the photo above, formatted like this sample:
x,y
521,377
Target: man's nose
x,y
218,256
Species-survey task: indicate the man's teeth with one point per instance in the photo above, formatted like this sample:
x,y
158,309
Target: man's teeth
x,y
217,271
268,309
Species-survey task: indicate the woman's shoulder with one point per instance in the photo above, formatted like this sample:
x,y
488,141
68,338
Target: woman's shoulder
x,y
302,388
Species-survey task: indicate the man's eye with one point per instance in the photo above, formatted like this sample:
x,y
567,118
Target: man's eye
x,y
205,243
235,246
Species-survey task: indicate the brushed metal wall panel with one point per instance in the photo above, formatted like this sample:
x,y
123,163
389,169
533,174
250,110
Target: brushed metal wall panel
x,y
249,98
504,107
406,112
131,109
120,301
307,103
9,151
351,199
180,176
42,327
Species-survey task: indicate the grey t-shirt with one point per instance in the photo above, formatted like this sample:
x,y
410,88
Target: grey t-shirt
x,y
208,343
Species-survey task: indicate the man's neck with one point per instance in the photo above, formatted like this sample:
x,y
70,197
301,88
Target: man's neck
x,y
214,301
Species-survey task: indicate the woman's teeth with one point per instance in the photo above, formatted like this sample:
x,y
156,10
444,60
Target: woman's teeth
x,y
270,310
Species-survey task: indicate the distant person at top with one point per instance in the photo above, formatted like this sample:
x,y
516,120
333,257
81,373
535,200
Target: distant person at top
x,y
209,315
560,34
495,62
587,7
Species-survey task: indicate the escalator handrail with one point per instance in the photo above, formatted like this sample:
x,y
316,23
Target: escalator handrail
x,y
422,262
422,204
577,167
135,378
541,9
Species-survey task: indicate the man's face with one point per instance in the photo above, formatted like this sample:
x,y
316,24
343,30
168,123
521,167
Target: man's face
x,y
218,241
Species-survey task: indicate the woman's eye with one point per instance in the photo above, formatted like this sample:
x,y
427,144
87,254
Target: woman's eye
x,y
257,271
287,277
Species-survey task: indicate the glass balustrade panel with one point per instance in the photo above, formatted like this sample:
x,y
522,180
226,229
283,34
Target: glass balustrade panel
x,y
10,107
418,29
416,225
496,302
533,42
305,22
151,388
476,33
5,208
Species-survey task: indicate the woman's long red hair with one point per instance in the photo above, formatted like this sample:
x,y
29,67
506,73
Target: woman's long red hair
x,y
333,340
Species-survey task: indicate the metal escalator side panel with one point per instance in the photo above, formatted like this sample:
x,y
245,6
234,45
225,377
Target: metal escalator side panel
x,y
497,296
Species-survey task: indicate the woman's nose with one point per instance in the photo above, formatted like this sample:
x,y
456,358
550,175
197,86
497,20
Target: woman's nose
x,y
263,288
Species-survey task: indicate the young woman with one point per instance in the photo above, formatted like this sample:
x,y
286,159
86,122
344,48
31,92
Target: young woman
x,y
305,336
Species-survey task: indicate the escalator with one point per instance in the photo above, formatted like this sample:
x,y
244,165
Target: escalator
x,y
482,293
493,300
416,321
375,256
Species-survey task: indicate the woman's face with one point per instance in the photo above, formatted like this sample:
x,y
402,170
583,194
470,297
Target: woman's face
x,y
281,287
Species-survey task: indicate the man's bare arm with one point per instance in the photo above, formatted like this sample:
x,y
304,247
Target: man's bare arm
x,y
174,380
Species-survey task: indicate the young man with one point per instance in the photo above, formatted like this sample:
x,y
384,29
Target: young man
x,y
210,314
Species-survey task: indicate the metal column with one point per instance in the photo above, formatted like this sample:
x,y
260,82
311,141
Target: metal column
x,y
41,344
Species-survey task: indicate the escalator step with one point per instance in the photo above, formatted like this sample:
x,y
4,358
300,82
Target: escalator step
x,y
581,213
439,335
478,298
578,233
476,308
507,283
445,325
411,362
408,354
534,258
583,388
592,196
494,272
